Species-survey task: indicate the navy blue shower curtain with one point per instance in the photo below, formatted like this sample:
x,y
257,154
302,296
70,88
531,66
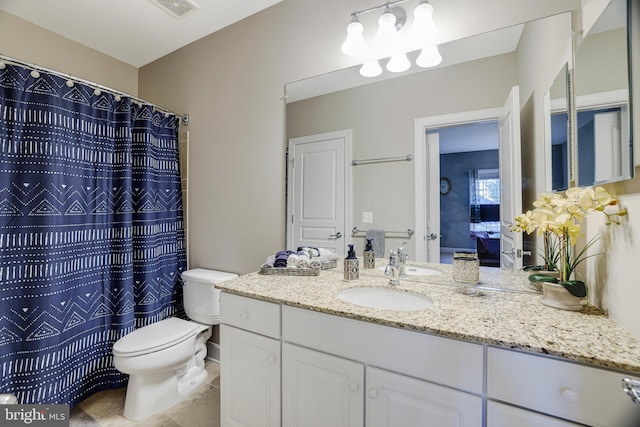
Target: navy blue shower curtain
x,y
91,232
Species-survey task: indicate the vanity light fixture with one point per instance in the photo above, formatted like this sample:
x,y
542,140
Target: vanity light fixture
x,y
392,40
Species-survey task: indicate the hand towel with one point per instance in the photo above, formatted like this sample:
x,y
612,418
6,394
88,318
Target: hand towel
x,y
268,263
281,259
292,260
303,259
314,263
378,241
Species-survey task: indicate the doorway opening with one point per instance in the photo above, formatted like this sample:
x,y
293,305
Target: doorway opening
x,y
470,195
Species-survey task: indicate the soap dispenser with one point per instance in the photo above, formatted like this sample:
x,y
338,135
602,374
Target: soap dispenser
x,y
351,267
369,255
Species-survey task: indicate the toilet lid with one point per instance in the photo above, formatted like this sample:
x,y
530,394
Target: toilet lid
x,y
155,337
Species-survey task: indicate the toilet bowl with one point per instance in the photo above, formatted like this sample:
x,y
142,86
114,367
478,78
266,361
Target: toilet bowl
x,y
165,360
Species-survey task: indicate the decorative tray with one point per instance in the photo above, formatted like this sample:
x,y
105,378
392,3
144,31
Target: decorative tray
x,y
279,271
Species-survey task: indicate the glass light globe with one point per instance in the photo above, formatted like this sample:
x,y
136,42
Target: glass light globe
x,y
398,63
429,57
423,31
385,39
354,44
371,69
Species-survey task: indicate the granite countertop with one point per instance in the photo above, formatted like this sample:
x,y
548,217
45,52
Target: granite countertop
x,y
504,312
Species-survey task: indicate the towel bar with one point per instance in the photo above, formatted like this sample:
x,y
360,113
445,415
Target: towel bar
x,y
409,231
406,158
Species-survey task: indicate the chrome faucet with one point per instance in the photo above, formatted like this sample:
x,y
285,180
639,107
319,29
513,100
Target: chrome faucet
x,y
402,258
393,268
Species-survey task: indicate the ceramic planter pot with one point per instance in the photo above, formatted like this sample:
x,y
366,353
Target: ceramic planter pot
x,y
537,286
556,296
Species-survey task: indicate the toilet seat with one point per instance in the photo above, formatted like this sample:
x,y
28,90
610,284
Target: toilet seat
x,y
155,337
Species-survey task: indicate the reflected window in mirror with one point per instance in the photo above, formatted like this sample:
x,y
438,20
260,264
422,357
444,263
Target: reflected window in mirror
x,y
484,189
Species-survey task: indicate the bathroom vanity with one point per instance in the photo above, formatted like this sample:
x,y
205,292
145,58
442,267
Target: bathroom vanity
x,y
295,354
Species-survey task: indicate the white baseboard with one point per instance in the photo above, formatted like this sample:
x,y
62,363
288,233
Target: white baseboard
x,y
213,352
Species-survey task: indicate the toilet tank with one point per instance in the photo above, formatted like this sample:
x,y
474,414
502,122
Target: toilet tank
x,y
201,298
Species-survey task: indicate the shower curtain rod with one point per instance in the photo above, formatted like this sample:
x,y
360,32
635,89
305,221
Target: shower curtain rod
x,y
3,58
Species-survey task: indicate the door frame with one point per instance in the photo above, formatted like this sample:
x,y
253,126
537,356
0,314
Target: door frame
x,y
346,136
424,180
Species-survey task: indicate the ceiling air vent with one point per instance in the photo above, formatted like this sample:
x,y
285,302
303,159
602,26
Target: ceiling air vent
x,y
176,8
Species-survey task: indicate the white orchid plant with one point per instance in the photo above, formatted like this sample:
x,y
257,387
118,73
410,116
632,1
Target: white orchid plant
x,y
558,216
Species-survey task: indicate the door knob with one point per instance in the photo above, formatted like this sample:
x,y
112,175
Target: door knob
x,y
337,235
432,236
517,252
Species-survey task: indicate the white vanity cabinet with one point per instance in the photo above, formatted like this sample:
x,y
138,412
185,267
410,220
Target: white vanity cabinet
x,y
293,367
327,359
250,362
570,391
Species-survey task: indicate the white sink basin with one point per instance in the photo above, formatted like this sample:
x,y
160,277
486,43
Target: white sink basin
x,y
416,271
386,299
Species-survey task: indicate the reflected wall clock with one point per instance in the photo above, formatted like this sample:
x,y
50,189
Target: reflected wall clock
x,y
445,185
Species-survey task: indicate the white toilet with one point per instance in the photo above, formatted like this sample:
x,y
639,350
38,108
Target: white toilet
x,y
165,360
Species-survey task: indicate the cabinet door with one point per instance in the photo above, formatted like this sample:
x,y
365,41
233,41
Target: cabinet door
x,y
396,400
249,379
499,415
320,390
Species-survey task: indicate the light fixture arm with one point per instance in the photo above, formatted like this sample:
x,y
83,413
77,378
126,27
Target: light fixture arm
x,y
388,4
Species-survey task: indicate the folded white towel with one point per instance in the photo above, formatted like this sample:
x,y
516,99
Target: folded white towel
x,y
303,259
324,252
293,261
314,263
271,259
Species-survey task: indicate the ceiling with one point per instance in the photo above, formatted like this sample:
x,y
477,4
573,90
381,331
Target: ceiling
x,y
136,32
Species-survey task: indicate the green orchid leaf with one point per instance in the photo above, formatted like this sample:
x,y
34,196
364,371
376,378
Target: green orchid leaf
x,y
577,288
533,267
542,277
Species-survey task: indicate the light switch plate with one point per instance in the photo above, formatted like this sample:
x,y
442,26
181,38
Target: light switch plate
x,y
367,217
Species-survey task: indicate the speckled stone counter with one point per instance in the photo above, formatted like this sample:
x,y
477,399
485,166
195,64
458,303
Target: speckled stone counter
x,y
504,312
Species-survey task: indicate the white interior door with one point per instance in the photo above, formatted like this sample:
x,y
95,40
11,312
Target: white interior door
x,y
432,236
510,181
318,186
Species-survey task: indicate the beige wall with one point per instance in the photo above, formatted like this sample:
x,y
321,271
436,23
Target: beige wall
x,y
22,40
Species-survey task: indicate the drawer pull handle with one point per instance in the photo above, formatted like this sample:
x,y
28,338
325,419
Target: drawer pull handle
x,y
244,315
354,387
569,395
373,393
271,359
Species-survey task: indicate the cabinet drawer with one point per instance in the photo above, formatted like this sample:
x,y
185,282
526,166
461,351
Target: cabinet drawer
x,y
441,360
575,392
501,415
250,314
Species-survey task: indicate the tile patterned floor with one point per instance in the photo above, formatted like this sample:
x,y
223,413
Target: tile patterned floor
x,y
200,409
